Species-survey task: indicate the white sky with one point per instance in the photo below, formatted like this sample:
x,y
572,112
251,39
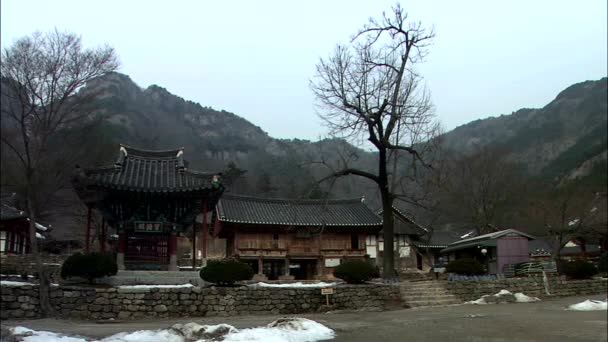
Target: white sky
x,y
255,58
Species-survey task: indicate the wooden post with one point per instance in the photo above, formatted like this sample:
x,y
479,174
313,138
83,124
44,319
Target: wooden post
x,y
205,232
122,248
286,267
88,237
260,265
28,244
102,239
194,245
172,249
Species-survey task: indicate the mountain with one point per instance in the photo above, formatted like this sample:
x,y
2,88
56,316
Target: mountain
x,y
153,118
566,139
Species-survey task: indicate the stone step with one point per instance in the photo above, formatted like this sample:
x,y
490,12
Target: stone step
x,y
408,298
422,303
429,286
424,291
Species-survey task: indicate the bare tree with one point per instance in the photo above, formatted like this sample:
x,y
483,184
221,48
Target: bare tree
x,y
567,212
484,190
370,90
42,79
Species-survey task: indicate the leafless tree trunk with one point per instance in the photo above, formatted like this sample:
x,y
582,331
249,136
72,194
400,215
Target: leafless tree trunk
x,y
42,77
567,212
370,90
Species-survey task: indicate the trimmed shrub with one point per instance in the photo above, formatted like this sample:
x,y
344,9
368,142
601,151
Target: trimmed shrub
x,y
579,269
602,266
465,266
226,272
355,271
89,266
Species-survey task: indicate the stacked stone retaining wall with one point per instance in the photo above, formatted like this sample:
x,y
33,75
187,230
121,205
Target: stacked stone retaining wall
x,y
133,303
533,286
26,264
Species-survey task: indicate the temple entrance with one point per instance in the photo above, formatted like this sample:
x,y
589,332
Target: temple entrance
x,y
303,269
273,269
147,251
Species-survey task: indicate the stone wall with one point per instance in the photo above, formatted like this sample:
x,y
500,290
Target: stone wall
x,y
533,286
26,264
133,303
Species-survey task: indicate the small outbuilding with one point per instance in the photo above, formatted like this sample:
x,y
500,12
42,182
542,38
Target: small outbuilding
x,y
495,250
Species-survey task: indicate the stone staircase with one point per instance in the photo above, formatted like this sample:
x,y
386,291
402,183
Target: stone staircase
x,y
426,293
152,278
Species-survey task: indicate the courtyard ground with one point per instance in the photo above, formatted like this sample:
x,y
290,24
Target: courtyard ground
x,y
541,321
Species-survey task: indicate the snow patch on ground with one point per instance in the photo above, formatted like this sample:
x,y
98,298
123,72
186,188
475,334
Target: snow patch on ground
x,y
30,335
522,298
153,286
295,285
146,336
589,305
281,330
503,295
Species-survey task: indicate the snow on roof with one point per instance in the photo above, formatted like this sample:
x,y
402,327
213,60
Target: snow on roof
x,y
41,227
573,222
466,243
14,283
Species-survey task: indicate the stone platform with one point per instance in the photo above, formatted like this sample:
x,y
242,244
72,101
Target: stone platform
x,y
153,278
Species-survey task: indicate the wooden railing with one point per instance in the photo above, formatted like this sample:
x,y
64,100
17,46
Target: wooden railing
x,y
303,250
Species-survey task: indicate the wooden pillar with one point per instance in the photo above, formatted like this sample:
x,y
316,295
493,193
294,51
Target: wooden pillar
x,y
260,265
21,243
88,235
28,243
172,249
194,245
102,239
204,232
122,248
286,267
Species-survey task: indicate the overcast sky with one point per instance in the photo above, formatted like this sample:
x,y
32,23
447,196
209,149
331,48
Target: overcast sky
x,y
255,58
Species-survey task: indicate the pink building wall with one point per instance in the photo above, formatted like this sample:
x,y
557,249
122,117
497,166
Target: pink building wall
x,y
512,250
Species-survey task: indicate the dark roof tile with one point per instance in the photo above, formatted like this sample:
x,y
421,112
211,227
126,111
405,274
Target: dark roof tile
x,y
252,210
150,171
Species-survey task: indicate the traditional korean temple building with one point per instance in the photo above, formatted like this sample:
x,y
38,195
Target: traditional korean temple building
x,y
295,239
148,198
407,234
15,227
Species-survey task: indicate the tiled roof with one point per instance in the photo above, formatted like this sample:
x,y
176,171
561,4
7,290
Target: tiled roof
x,y
7,207
439,239
252,210
10,213
150,171
466,243
404,223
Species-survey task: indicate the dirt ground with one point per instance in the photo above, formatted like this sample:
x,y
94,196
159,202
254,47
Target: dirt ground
x,y
540,321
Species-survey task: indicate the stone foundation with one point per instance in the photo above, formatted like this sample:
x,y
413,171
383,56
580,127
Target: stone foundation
x,y
26,264
532,286
133,303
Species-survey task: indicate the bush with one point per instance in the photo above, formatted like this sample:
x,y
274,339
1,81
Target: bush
x,y
579,269
603,264
355,271
466,266
226,272
89,266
